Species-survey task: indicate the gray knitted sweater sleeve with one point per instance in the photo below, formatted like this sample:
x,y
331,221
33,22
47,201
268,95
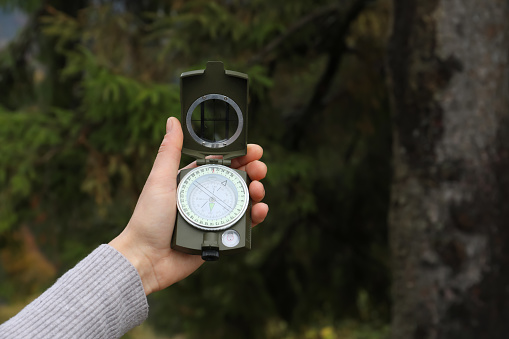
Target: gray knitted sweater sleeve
x,y
101,297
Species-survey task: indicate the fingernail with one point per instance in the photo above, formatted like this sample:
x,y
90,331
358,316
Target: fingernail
x,y
169,125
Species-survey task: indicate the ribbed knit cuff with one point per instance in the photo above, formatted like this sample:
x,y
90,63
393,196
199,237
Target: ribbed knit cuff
x,y
101,297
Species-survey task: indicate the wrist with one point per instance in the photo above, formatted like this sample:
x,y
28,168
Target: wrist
x,y
138,259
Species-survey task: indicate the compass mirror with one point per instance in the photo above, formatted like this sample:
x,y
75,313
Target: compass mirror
x,y
214,121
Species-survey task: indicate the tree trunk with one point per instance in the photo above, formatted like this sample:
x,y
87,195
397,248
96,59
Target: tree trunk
x,y
449,219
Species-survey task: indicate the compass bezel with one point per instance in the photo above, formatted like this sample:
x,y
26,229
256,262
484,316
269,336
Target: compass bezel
x,y
208,227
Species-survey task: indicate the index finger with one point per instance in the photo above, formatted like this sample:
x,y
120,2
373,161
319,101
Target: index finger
x,y
254,152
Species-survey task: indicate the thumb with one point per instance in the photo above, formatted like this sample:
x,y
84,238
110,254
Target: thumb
x,y
167,161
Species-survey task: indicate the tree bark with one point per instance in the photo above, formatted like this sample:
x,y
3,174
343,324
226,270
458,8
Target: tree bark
x,y
449,219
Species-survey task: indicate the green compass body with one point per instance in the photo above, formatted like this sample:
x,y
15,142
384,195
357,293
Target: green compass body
x,y
213,199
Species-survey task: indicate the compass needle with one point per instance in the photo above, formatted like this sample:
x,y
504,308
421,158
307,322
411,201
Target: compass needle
x,y
211,195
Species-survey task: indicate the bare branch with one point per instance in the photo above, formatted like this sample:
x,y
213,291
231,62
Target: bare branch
x,y
293,29
336,51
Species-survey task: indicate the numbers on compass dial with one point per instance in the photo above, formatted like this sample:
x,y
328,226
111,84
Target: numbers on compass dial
x,y
212,197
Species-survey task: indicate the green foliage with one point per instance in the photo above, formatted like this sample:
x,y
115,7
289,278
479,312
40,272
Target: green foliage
x,y
26,5
77,144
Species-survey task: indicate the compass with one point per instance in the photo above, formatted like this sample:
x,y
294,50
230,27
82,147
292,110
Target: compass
x,y
213,199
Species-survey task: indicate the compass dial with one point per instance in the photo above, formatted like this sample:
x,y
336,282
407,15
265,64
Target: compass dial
x,y
212,197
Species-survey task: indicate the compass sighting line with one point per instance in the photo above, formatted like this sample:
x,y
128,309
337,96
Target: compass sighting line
x,y
222,203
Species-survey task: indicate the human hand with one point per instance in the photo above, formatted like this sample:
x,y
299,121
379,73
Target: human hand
x,y
145,241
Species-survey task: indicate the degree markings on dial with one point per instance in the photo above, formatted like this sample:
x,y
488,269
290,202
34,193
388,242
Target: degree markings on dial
x,y
230,181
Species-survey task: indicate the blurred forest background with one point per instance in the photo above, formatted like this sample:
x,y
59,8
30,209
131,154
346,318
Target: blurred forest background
x,y
87,85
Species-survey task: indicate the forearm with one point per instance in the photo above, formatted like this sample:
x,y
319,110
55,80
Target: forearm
x,y
101,297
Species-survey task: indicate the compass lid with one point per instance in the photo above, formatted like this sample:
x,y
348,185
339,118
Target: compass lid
x,y
214,111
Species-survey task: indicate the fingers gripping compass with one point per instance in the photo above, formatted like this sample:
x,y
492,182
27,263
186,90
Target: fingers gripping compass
x,y
213,199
